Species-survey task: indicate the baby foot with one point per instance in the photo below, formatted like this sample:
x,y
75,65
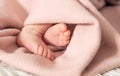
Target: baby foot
x,y
30,37
58,35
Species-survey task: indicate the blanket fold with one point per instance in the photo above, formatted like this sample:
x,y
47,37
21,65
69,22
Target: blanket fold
x,y
98,3
99,49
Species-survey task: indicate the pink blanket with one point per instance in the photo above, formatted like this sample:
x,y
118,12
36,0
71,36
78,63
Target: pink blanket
x,y
99,49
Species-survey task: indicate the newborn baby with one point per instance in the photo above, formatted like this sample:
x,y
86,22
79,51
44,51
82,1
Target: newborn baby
x,y
46,34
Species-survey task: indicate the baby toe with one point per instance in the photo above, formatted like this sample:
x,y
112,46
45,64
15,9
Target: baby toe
x,y
65,42
49,55
45,53
67,33
39,50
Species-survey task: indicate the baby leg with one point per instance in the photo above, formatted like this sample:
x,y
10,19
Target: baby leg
x,y
31,38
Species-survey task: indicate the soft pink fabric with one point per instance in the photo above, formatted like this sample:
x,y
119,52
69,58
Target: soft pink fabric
x,y
47,11
98,3
113,19
99,49
11,14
